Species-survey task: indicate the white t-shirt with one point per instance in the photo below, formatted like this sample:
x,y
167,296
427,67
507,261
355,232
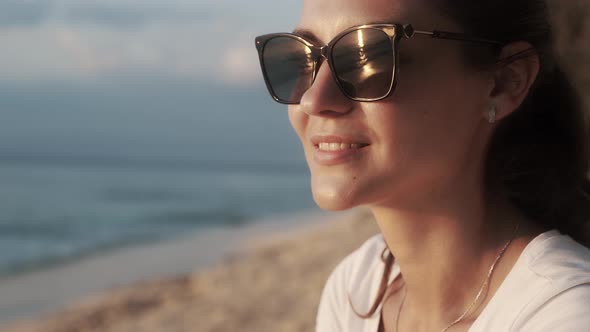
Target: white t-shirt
x,y
547,290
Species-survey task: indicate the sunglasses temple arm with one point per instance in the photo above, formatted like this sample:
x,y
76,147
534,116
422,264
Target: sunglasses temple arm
x,y
457,36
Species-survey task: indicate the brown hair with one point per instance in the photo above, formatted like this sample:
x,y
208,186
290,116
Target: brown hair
x,y
539,155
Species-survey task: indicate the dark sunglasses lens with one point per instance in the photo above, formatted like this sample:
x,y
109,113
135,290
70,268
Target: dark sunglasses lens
x,y
289,68
363,62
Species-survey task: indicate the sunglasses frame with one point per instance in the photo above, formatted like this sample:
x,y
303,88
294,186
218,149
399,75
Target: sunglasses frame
x,y
395,32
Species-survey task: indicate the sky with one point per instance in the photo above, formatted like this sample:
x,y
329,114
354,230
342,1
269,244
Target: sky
x,y
140,79
88,39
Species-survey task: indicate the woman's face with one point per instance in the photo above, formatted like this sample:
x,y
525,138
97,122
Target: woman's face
x,y
427,136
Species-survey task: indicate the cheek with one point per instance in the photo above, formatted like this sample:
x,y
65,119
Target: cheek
x,y
444,98
298,121
425,137
437,74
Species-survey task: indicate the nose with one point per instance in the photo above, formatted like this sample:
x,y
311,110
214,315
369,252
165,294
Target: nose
x,y
324,97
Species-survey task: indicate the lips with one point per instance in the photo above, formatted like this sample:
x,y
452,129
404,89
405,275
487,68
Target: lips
x,y
332,149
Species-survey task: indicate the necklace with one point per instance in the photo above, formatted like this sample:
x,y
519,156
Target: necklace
x,y
479,293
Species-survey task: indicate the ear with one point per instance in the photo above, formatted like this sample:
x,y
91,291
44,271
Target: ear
x,y
515,73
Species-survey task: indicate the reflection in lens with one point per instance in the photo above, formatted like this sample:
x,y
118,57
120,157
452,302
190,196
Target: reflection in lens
x,y
289,67
363,61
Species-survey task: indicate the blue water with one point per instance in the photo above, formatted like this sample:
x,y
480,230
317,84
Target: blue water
x,y
52,212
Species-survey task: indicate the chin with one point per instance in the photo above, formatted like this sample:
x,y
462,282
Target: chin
x,y
332,206
333,200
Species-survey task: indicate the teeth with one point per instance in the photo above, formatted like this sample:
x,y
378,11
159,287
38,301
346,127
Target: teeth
x,y
337,146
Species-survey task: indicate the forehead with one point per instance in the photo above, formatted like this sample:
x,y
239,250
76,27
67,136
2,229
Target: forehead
x,y
326,18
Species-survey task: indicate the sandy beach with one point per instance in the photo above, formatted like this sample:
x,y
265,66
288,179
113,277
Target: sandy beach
x,y
271,280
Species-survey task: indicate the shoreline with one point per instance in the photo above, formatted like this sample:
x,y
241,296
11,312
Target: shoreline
x,y
43,294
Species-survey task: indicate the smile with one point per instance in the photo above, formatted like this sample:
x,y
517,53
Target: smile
x,y
324,146
331,150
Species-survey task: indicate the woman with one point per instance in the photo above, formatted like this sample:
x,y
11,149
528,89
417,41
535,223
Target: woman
x,y
468,144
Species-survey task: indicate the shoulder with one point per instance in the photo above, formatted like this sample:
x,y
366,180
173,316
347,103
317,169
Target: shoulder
x,y
563,268
548,289
352,279
568,310
558,259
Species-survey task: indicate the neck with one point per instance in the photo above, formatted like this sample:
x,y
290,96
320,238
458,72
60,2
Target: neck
x,y
445,249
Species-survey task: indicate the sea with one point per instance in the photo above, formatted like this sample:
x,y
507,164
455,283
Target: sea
x,y
55,212
87,168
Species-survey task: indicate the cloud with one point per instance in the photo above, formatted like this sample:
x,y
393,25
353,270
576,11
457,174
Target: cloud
x,y
136,16
107,13
109,16
240,65
23,12
196,39
131,13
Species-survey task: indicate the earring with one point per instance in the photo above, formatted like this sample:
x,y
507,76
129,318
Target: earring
x,y
492,114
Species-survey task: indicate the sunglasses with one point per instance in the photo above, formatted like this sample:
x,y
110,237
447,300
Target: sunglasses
x,y
363,60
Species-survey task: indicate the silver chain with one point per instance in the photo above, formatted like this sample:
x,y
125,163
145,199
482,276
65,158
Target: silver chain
x,y
481,289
